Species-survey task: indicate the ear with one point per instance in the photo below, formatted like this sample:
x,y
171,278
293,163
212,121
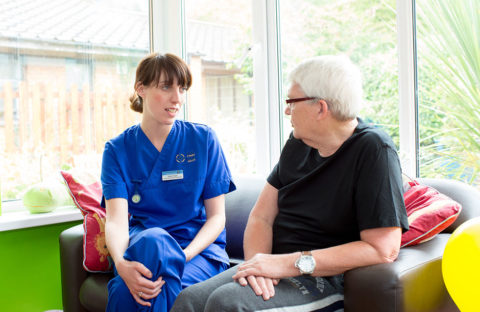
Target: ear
x,y
140,88
323,110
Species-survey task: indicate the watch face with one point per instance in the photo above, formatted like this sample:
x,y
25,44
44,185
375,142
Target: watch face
x,y
306,264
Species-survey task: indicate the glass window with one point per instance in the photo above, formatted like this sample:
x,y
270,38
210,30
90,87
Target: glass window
x,y
218,45
365,30
67,71
448,88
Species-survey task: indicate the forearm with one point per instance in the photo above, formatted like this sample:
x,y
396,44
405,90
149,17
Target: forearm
x,y
257,227
207,235
380,245
117,239
258,234
329,261
338,259
116,228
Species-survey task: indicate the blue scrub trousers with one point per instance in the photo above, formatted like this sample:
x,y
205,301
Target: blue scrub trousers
x,y
163,256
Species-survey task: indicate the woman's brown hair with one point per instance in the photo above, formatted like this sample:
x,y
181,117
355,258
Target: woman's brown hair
x,y
150,71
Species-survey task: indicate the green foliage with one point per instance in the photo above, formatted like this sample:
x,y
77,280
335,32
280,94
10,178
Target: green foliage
x,y
365,30
319,27
449,53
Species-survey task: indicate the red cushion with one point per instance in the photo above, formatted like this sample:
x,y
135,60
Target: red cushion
x,y
429,212
86,192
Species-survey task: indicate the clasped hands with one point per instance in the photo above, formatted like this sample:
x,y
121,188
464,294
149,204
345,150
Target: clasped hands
x,y
262,272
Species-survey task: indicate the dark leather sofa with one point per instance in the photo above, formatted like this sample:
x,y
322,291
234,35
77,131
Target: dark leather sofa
x,y
413,283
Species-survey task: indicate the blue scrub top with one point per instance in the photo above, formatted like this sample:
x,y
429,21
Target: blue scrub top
x,y
132,168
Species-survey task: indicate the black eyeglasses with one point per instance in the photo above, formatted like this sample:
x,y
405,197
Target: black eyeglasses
x,y
294,100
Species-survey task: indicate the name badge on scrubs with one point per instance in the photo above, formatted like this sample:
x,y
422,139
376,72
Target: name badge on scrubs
x,y
172,175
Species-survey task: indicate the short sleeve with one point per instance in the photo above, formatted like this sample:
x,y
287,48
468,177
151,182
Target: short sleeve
x,y
113,184
379,189
218,178
293,152
273,178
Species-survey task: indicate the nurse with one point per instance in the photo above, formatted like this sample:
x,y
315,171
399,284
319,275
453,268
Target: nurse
x,y
163,183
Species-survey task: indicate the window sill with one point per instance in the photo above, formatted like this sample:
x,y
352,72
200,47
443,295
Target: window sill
x,y
24,219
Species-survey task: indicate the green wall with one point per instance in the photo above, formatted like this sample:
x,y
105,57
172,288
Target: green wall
x,y
30,269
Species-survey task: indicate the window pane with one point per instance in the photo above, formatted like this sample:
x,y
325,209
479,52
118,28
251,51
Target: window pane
x,y
67,70
448,82
365,30
218,42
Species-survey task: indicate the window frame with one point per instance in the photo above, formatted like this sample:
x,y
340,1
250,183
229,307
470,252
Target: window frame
x,y
267,73
408,87
266,68
266,49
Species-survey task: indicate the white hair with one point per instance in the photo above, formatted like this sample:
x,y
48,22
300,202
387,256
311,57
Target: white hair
x,y
333,78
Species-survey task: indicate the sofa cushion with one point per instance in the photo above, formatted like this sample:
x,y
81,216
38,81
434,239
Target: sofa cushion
x,y
429,212
86,192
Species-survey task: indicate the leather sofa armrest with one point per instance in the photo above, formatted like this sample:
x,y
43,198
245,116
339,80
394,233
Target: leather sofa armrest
x,y
238,205
413,282
72,272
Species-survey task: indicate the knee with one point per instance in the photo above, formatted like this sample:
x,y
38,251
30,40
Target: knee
x,y
117,287
154,243
188,301
154,235
118,293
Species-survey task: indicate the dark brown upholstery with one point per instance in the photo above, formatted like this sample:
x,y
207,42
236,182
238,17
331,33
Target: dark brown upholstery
x,y
412,283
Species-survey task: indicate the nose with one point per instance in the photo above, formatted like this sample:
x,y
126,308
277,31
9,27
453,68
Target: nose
x,y
287,110
177,95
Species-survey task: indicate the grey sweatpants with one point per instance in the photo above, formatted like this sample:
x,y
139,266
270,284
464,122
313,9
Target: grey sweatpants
x,y
302,293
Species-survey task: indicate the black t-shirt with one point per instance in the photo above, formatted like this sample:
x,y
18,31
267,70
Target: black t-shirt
x,y
325,202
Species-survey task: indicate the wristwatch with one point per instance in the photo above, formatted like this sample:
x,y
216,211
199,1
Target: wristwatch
x,y
305,263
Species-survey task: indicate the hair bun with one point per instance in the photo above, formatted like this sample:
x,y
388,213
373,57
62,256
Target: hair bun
x,y
136,103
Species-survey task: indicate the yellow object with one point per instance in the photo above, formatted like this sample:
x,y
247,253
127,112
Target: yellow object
x,y
461,266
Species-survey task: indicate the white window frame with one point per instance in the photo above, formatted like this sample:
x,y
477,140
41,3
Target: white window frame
x,y
267,74
167,26
167,34
407,81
